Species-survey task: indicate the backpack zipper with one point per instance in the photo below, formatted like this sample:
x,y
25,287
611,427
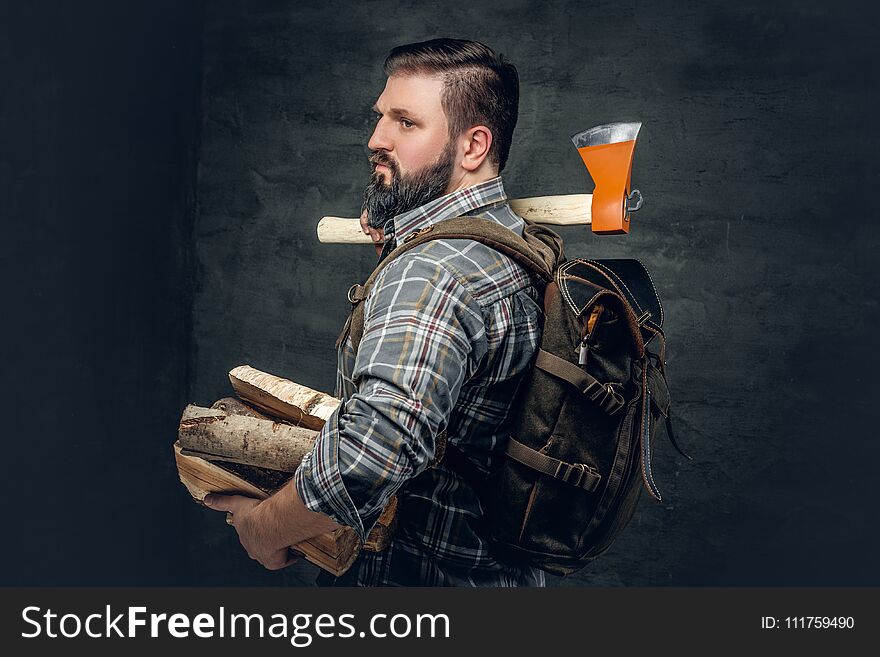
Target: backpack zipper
x,y
598,310
582,352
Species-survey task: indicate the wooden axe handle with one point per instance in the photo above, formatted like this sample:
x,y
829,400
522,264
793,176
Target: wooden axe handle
x,y
563,210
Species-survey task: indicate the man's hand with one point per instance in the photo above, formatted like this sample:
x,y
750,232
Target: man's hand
x,y
376,234
251,532
266,529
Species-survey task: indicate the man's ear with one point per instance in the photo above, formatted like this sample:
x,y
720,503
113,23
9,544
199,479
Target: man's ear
x,y
477,142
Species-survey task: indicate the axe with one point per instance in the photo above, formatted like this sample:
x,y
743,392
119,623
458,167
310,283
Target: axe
x,y
607,151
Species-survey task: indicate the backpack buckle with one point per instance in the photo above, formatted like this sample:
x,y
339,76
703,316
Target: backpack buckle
x,y
607,397
613,401
355,294
578,474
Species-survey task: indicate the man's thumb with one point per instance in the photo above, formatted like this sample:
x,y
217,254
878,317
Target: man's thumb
x,y
222,502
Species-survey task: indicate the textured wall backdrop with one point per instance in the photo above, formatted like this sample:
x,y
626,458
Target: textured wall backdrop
x,y
98,126
162,169
757,164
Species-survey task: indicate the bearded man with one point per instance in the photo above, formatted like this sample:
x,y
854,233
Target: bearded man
x,y
450,327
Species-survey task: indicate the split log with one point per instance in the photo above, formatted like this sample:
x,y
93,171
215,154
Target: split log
x,y
226,472
380,535
282,398
243,439
334,551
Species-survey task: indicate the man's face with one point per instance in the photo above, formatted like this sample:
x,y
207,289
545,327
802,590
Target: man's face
x,y
412,156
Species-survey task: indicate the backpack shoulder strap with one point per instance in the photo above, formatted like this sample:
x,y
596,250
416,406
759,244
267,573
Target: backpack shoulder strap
x,y
539,251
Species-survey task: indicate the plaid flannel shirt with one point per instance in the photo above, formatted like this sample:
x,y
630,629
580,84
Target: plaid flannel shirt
x,y
449,329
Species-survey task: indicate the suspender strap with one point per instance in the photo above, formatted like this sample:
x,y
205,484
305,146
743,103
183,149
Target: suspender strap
x,y
576,474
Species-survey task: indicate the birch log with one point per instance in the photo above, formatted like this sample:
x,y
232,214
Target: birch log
x,y
233,406
243,439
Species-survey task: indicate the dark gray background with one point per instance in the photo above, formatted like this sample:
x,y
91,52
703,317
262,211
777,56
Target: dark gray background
x,y
163,167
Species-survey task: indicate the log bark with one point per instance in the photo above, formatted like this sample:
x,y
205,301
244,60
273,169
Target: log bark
x,y
382,532
242,439
233,406
282,398
192,411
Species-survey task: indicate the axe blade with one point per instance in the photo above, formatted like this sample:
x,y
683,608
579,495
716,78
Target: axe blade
x,y
607,152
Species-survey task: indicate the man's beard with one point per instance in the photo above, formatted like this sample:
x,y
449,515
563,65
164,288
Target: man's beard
x,y
405,193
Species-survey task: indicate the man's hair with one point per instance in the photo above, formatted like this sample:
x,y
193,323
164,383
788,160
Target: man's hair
x,y
479,86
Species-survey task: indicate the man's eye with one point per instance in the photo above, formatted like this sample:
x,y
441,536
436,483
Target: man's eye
x,y
406,123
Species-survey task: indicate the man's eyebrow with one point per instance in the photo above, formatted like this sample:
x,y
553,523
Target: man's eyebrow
x,y
397,111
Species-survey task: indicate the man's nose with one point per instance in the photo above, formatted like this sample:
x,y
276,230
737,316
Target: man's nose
x,y
380,139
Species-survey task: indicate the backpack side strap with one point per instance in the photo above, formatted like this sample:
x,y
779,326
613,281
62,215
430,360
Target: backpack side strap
x,y
609,399
576,474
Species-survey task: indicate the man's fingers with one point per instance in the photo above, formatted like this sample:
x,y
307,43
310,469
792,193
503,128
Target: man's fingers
x,y
290,562
376,234
292,558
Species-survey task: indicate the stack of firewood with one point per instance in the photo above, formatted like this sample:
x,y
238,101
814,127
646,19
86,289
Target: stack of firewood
x,y
251,445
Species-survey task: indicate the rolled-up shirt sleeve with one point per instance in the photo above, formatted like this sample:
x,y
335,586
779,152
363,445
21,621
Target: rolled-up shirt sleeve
x,y
424,336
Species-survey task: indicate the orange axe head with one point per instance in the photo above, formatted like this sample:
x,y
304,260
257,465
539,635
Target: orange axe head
x,y
607,151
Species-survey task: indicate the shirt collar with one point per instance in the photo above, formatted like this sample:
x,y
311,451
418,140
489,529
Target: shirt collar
x,y
456,204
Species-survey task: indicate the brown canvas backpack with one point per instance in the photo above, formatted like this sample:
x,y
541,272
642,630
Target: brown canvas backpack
x,y
587,414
